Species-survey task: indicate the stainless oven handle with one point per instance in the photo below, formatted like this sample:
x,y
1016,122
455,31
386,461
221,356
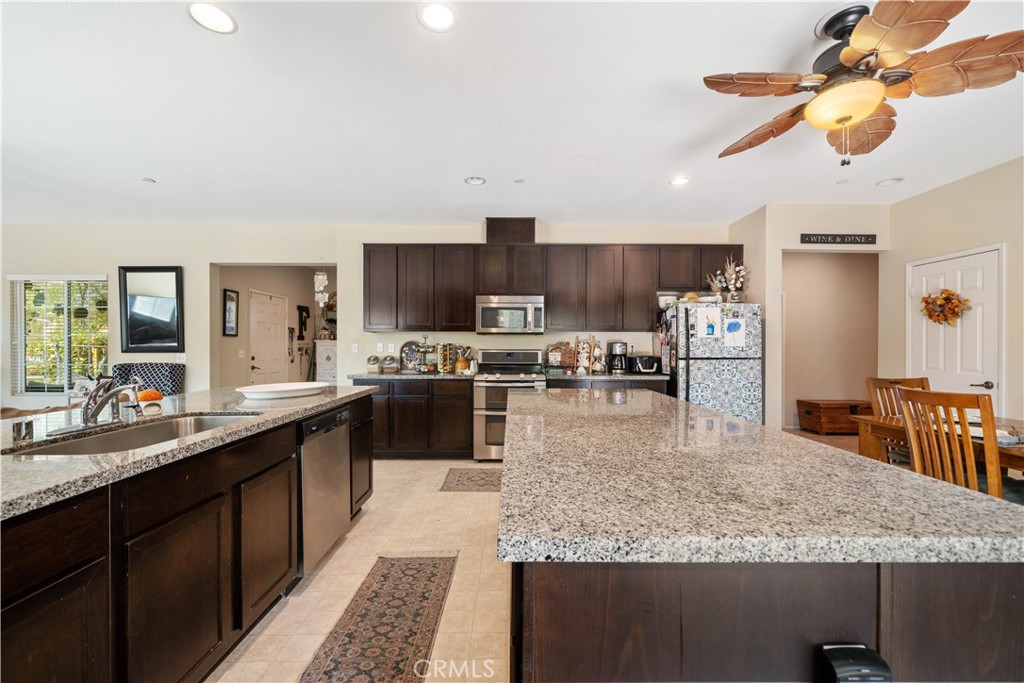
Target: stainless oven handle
x,y
477,411
511,385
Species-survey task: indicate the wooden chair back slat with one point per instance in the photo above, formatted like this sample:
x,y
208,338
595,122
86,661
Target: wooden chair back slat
x,y
882,390
936,448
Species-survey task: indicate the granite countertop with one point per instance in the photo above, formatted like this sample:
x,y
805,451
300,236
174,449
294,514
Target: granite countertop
x,y
595,476
388,376
28,481
631,376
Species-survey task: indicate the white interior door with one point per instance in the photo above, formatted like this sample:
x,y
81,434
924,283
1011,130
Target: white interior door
x,y
965,357
268,338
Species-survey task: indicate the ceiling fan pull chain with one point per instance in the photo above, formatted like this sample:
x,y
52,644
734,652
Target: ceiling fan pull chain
x,y
845,161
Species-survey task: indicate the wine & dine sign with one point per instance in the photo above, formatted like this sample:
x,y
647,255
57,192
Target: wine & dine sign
x,y
828,238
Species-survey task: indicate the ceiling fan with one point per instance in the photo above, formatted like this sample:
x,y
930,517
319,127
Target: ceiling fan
x,y
871,62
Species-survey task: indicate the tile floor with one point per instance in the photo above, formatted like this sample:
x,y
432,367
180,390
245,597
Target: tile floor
x,y
406,514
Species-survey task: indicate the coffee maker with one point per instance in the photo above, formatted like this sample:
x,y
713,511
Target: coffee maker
x,y
617,352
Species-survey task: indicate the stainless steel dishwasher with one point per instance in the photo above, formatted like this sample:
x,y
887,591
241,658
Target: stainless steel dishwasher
x,y
326,491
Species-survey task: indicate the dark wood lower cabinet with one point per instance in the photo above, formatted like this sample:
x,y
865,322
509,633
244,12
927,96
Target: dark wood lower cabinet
x,y
754,622
655,385
451,415
179,595
269,538
422,417
410,423
61,632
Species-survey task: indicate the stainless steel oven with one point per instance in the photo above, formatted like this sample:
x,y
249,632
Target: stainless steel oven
x,y
500,370
510,314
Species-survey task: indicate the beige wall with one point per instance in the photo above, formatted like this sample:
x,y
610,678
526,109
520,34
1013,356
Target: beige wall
x,y
830,326
292,282
101,249
980,210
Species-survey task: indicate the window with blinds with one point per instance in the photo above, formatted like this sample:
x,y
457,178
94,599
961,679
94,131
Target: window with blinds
x,y
59,332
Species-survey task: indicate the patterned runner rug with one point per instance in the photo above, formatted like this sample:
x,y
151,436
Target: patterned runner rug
x,y
472,479
389,625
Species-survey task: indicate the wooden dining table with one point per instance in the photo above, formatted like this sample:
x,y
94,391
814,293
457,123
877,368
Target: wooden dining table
x,y
872,430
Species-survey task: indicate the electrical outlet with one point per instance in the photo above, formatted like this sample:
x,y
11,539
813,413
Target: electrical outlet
x,y
180,358
391,348
241,353
380,347
355,348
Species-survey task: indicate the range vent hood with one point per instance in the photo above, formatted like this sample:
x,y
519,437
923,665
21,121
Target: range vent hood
x,y
511,230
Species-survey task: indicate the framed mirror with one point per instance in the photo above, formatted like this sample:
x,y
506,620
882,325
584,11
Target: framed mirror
x,y
152,317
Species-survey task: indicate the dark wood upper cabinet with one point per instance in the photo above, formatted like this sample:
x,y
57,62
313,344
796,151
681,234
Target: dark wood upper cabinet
x,y
493,278
679,267
712,257
416,287
604,288
380,287
454,302
565,296
510,269
528,269
639,288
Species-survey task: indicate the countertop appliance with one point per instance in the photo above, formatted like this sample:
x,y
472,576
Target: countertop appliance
x,y
617,357
509,314
719,357
642,364
499,371
325,490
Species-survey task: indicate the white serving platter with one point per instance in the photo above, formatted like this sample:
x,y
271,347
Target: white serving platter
x,y
282,390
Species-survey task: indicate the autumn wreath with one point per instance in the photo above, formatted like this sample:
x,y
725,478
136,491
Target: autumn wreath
x,y
944,307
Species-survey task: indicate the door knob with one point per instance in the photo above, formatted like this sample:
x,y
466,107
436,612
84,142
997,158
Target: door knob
x,y
253,367
987,384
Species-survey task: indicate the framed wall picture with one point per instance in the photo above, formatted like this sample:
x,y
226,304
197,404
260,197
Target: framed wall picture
x,y
230,313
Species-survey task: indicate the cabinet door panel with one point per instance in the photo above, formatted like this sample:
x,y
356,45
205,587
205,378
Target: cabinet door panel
x,y
61,632
381,423
269,538
410,423
568,383
451,423
416,287
380,287
493,275
528,269
712,257
639,288
679,267
454,290
604,288
652,385
361,441
565,298
179,595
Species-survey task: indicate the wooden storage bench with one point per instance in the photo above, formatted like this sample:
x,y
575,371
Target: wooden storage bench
x,y
831,417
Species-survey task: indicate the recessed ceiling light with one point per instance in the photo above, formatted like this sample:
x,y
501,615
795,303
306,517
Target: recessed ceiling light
x,y
438,17
889,181
475,180
679,180
148,180
212,17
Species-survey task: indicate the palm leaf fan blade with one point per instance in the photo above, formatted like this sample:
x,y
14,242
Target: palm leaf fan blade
x,y
765,132
896,26
754,84
969,64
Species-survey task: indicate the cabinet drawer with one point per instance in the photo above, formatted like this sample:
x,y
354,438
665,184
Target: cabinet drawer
x,y
42,546
411,388
155,496
452,387
362,410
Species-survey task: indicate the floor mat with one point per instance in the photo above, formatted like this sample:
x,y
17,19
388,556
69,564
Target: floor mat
x,y
472,479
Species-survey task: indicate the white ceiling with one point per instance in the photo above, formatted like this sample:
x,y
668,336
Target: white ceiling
x,y
352,113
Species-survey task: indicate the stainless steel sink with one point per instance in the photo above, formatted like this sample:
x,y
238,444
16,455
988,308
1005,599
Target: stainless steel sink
x,y
137,436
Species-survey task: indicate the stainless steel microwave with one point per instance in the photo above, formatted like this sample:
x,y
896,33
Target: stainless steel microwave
x,y
509,314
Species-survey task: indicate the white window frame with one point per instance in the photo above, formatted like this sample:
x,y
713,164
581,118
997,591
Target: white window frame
x,y
17,341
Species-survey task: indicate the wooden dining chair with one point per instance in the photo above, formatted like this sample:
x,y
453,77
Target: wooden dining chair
x,y
937,450
886,402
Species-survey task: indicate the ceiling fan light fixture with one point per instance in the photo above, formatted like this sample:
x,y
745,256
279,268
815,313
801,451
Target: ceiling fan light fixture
x,y
845,104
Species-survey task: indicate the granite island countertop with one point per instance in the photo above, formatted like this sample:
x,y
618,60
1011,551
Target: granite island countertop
x,y
590,478
29,482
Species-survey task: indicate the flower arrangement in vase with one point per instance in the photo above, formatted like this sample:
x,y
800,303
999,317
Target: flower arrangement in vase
x,y
732,279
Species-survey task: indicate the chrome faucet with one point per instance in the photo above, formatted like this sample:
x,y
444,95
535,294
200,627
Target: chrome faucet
x,y
104,392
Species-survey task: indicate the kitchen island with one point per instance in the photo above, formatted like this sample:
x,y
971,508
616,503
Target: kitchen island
x,y
131,562
652,539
